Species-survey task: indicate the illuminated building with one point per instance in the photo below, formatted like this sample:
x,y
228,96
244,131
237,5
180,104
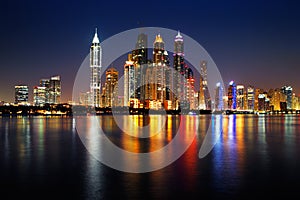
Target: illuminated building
x,y
219,106
267,104
261,102
245,100
203,74
85,98
21,94
49,91
232,95
270,95
190,88
288,92
160,59
140,59
196,97
111,87
129,80
202,88
39,95
157,86
295,102
140,53
276,99
257,91
45,83
250,97
240,97
95,69
150,86
178,76
54,90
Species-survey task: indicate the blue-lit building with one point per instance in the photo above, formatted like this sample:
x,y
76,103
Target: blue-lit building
x,y
232,95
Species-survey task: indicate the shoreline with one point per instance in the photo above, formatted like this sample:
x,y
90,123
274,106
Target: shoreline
x,y
69,110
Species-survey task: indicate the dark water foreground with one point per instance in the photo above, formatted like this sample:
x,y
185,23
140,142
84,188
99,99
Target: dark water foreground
x,y
256,157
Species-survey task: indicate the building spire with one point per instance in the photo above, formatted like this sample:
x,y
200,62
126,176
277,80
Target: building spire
x,y
96,39
178,37
158,39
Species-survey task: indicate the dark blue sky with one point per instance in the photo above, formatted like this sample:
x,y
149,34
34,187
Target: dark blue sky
x,y
253,42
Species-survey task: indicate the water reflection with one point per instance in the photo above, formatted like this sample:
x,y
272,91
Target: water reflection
x,y
229,152
250,152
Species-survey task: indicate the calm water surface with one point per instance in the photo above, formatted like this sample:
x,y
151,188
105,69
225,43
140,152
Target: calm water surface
x,y
255,157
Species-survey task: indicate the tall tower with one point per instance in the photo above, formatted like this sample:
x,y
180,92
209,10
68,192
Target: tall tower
x,y
203,74
190,94
159,66
140,59
203,90
95,69
140,53
129,80
179,70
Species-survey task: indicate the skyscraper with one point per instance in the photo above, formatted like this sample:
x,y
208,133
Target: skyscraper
x,y
140,59
178,75
295,102
129,80
190,88
232,95
288,91
111,87
276,99
140,53
250,97
261,102
219,106
45,83
54,90
21,94
203,85
39,95
95,69
159,68
240,97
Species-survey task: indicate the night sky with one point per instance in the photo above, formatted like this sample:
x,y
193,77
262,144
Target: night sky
x,y
252,42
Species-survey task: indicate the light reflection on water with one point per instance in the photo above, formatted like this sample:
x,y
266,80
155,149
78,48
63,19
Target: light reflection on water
x,y
252,152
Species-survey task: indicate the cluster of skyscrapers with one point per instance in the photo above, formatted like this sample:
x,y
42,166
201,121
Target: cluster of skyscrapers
x,y
47,92
148,83
156,83
240,97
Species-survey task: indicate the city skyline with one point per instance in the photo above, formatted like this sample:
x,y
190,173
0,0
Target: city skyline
x,y
160,83
246,40
238,96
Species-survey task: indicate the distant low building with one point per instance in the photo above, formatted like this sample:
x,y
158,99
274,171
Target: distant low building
x,y
21,94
